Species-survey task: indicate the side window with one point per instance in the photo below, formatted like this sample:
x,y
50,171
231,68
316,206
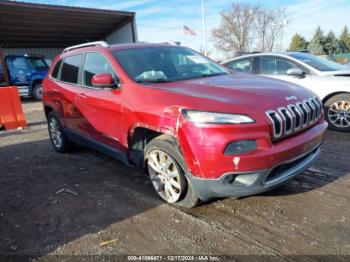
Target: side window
x,y
275,66
20,63
243,65
56,69
70,69
96,63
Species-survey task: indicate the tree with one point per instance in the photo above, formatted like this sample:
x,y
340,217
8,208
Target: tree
x,y
243,22
269,26
332,44
316,45
235,29
298,42
345,39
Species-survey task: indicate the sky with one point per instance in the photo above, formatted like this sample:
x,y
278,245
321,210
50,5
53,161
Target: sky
x,y
163,20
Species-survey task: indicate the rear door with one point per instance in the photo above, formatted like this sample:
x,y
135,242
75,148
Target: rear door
x,y
244,65
101,108
66,78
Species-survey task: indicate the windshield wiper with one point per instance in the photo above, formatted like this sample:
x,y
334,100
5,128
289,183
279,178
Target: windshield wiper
x,y
213,74
153,81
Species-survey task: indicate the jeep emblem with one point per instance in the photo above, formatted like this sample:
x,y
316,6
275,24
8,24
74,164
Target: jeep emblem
x,y
288,98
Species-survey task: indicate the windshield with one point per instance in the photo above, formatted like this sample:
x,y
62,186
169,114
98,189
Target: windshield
x,y
319,63
38,62
165,64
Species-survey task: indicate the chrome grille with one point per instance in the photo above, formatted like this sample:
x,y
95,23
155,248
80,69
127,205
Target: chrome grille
x,y
287,120
297,116
304,112
312,111
294,117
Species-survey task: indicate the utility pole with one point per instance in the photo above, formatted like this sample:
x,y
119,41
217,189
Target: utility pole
x,y
204,30
284,25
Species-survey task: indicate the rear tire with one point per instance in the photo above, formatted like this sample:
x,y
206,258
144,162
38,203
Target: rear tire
x,y
59,139
337,112
38,92
166,168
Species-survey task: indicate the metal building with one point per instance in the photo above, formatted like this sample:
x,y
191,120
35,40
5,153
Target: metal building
x,y
47,29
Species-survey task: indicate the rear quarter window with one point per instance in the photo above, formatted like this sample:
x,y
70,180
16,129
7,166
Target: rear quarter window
x,y
56,69
70,69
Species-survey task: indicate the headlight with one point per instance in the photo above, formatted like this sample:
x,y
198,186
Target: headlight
x,y
216,118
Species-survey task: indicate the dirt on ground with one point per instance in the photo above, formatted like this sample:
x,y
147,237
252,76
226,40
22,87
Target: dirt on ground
x,y
86,203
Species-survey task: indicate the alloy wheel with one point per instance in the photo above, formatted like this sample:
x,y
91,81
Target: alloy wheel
x,y
55,133
165,176
339,114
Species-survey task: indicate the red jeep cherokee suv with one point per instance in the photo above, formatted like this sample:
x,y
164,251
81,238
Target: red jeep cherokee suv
x,y
198,130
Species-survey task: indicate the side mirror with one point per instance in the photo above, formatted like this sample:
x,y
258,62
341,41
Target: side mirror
x,y
297,72
103,81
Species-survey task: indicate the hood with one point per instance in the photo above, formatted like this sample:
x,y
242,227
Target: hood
x,y
342,72
227,93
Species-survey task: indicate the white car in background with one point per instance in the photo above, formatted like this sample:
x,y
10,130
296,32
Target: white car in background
x,y
329,80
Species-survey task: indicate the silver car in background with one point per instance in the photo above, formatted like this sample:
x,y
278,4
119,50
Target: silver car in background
x,y
329,80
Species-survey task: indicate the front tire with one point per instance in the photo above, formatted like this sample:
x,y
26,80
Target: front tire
x,y
337,112
59,139
166,168
38,92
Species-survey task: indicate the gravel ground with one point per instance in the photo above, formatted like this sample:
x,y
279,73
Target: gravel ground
x,y
86,203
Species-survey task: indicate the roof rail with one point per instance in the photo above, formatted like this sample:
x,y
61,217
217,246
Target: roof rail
x,y
100,43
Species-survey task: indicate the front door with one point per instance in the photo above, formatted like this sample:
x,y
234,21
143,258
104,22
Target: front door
x,y
101,107
277,67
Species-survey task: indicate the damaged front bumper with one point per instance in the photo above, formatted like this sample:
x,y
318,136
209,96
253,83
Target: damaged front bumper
x,y
255,182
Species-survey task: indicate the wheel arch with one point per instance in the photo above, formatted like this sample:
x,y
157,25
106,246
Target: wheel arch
x,y
35,81
326,98
138,139
47,109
